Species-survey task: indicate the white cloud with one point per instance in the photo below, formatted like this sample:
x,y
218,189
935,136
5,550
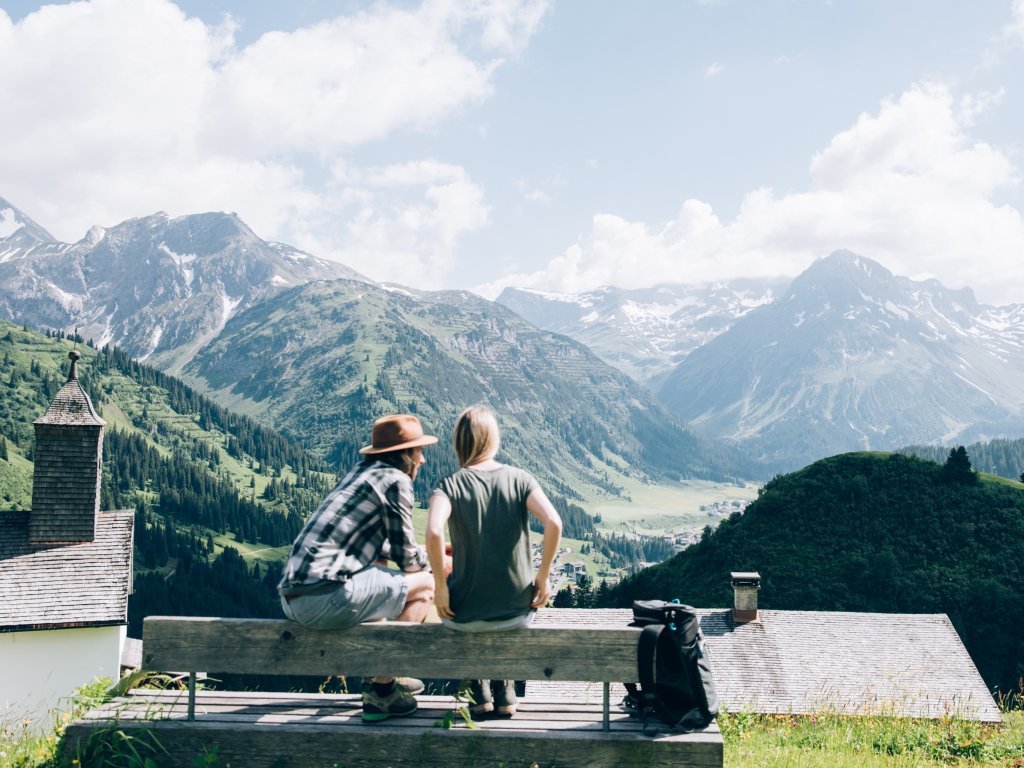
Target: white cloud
x,y
1014,30
118,108
712,69
907,186
530,193
398,222
409,218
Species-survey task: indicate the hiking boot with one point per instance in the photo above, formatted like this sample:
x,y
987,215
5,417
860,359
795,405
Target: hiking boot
x,y
480,693
411,684
398,703
503,694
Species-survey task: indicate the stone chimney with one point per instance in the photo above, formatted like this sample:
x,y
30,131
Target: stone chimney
x,y
68,459
744,589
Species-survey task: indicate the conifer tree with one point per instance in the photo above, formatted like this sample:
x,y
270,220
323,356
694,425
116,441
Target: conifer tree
x,y
958,468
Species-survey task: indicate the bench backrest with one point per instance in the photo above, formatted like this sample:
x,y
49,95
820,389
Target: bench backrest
x,y
279,647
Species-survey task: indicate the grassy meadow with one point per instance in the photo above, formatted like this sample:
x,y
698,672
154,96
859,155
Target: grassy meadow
x,y
654,509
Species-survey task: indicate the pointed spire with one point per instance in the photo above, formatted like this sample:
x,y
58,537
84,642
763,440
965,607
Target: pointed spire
x,y
71,405
74,355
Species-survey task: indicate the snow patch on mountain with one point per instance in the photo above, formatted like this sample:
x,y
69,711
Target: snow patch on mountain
x,y
108,331
228,306
183,261
154,342
68,301
9,223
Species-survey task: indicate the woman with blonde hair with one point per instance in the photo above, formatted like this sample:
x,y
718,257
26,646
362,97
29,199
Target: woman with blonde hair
x,y
486,505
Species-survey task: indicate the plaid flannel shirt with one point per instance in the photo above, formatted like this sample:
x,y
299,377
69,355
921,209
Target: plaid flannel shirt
x,y
366,517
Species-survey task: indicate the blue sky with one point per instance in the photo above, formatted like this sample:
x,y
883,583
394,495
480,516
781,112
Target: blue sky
x,y
559,145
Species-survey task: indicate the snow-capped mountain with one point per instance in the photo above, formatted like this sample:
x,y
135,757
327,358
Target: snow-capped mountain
x,y
853,357
157,286
18,231
644,333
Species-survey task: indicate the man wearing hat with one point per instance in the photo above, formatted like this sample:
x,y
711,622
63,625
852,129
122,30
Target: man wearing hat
x,y
335,575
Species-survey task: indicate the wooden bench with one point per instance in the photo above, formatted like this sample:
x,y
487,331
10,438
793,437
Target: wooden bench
x,y
290,729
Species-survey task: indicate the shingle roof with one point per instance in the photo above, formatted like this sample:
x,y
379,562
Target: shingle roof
x,y
73,585
71,406
801,662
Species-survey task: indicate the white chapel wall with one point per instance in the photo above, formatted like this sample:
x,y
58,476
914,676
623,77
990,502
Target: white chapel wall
x,y
39,670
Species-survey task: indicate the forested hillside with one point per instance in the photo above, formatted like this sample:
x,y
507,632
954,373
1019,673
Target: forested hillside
x,y
872,532
1001,456
205,482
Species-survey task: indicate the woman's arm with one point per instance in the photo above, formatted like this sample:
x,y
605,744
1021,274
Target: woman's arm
x,y
538,505
440,511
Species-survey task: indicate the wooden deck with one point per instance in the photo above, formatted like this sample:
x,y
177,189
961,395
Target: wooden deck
x,y
281,730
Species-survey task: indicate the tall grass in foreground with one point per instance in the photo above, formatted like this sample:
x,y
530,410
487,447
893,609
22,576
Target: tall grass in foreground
x,y
842,741
27,745
751,740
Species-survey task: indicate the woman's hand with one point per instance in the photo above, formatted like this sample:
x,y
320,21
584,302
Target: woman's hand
x,y
441,602
541,592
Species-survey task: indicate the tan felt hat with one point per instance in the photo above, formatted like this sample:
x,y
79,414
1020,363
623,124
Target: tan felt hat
x,y
396,433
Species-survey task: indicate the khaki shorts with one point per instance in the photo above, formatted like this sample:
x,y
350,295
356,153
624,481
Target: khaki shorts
x,y
372,593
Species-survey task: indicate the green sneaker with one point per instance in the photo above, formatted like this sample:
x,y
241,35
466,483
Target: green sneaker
x,y
398,703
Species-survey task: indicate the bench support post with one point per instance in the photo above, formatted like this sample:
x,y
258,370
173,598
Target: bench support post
x,y
607,708
191,695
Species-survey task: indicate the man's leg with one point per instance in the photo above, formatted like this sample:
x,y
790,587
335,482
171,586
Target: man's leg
x,y
419,597
418,600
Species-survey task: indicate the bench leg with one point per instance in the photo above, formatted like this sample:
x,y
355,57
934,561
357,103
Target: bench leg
x,y
191,695
607,708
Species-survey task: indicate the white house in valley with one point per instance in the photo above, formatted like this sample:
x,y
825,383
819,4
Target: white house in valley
x,y
65,567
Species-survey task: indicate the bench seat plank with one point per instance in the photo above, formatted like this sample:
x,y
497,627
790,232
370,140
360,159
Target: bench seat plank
x,y
276,646
285,730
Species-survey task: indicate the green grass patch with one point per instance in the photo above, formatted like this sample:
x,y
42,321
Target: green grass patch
x,y
251,550
834,741
15,480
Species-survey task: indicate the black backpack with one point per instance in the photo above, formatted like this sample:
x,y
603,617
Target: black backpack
x,y
676,685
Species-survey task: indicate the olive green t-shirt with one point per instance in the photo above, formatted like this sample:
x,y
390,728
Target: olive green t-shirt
x,y
492,573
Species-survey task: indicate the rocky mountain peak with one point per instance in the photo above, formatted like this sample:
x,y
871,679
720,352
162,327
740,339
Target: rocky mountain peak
x,y
851,357
159,286
17,230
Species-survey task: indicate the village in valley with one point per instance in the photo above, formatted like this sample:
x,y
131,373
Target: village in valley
x,y
578,562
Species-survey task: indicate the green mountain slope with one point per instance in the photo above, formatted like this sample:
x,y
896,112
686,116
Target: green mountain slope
x,y
871,532
322,361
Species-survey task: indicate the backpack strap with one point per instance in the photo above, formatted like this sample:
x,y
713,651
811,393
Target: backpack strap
x,y
645,655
